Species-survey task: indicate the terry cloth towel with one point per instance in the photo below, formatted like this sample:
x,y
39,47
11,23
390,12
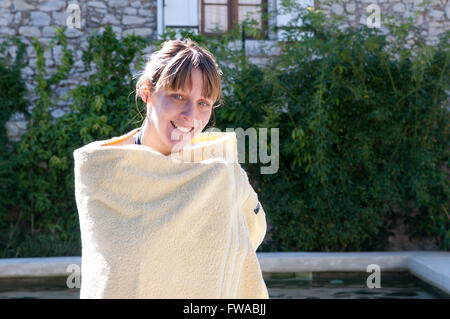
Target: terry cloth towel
x,y
177,226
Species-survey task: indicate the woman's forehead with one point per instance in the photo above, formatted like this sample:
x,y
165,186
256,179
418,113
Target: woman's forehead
x,y
188,89
194,79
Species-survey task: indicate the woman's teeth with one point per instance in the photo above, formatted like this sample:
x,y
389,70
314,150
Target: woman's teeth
x,y
181,128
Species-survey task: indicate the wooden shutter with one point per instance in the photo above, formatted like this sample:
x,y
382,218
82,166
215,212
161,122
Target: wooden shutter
x,y
181,14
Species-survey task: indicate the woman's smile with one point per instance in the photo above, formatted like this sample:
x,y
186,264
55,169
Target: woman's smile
x,y
181,128
179,134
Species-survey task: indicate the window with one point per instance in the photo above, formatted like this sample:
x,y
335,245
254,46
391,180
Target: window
x,y
218,16
177,14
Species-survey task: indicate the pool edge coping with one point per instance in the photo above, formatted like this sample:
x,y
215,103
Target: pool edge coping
x,y
428,266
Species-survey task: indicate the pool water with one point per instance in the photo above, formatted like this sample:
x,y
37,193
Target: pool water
x,y
323,285
351,285
37,288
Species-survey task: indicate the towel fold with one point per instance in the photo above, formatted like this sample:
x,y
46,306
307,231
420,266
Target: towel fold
x,y
178,226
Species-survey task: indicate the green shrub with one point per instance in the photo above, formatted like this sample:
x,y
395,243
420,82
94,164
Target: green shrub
x,y
48,224
13,95
363,137
363,130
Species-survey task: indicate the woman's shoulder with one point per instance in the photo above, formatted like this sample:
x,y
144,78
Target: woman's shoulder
x,y
129,140
126,139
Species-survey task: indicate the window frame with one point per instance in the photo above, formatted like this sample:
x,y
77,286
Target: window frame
x,y
233,11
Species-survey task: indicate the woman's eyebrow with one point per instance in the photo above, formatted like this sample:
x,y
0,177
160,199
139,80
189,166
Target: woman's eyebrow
x,y
181,92
210,101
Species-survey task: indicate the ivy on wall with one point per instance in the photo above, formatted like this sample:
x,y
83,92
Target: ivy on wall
x,y
363,136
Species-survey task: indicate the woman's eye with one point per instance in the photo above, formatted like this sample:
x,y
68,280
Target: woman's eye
x,y
204,104
177,97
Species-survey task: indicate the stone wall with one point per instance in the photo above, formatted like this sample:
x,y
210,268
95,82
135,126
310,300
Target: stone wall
x,y
36,18
29,18
432,16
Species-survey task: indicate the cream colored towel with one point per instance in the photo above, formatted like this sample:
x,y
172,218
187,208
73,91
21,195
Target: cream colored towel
x,y
156,226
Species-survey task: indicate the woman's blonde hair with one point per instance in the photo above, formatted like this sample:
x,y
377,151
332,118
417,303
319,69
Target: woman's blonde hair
x,y
170,68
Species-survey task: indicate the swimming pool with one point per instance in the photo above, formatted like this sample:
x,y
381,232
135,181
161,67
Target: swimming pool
x,y
323,285
351,285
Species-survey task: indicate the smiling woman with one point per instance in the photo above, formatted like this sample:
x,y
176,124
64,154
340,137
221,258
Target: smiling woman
x,y
180,85
175,215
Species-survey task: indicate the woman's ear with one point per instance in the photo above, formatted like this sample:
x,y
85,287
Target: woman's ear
x,y
145,91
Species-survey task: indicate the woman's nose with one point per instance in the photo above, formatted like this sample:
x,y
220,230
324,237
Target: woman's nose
x,y
188,111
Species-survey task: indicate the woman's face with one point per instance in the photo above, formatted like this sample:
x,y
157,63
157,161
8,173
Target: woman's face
x,y
176,116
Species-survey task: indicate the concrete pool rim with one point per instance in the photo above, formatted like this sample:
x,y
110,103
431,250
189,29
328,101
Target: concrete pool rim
x,y
432,267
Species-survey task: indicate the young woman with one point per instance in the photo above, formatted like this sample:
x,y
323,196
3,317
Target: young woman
x,y
156,223
180,86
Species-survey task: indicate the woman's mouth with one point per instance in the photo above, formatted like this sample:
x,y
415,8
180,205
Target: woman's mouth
x,y
182,129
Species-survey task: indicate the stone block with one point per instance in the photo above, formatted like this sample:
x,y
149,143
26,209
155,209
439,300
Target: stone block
x,y
435,24
21,125
100,10
418,19
57,113
5,3
143,32
48,32
435,32
52,5
110,19
18,18
117,3
94,19
129,20
337,8
73,33
399,8
5,18
136,4
436,14
130,11
409,14
29,31
49,62
350,7
57,53
363,19
11,129
27,70
39,18
78,64
117,31
23,5
30,52
96,4
7,31
60,18
145,12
